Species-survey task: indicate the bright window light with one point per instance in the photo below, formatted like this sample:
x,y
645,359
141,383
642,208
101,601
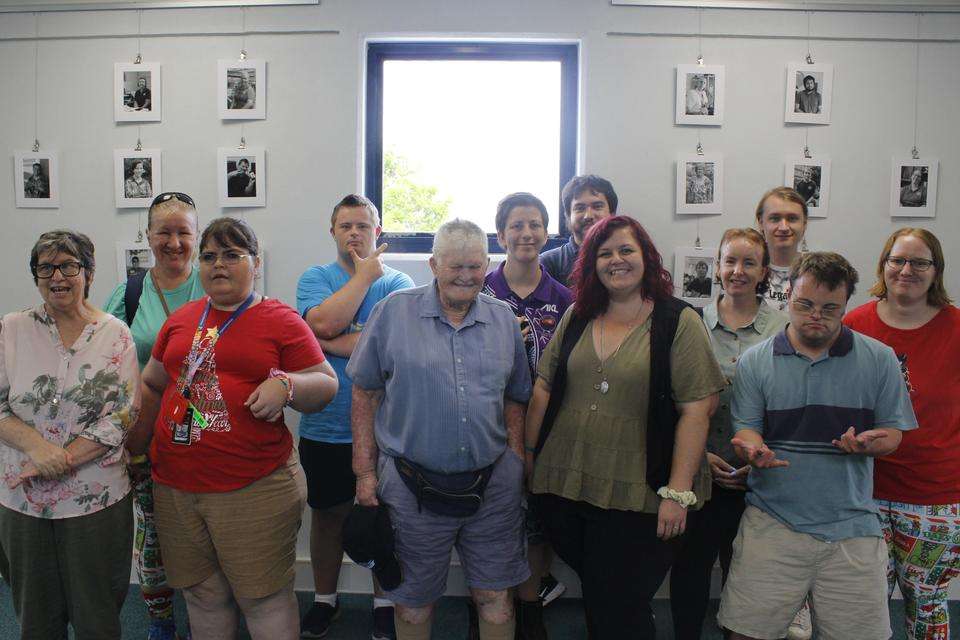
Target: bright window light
x,y
458,135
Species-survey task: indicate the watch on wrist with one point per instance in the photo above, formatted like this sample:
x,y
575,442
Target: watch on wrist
x,y
683,498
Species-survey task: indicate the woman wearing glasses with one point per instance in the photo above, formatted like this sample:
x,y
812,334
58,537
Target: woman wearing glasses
x,y
69,392
228,487
144,302
918,486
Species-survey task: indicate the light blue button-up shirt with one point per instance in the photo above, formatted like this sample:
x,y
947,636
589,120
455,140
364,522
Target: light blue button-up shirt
x,y
444,386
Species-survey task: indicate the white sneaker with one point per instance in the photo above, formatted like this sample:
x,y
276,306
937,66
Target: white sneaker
x,y
801,627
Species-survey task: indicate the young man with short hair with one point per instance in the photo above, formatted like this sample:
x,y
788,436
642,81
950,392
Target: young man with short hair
x,y
335,299
538,301
812,406
586,200
782,219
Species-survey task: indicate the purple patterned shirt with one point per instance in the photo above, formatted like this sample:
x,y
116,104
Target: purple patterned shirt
x,y
543,309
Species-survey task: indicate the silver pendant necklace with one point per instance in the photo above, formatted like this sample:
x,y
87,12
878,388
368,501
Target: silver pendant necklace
x,y
604,386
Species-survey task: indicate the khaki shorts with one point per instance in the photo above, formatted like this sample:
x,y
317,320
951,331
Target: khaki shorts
x,y
775,567
249,534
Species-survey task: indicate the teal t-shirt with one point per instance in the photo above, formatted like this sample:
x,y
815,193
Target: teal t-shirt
x,y
150,314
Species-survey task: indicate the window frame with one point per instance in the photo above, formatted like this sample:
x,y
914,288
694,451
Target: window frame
x,y
566,53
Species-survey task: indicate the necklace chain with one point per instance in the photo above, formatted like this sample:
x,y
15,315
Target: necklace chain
x,y
630,326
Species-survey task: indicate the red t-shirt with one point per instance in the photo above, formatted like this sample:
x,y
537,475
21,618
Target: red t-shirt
x,y
925,469
235,449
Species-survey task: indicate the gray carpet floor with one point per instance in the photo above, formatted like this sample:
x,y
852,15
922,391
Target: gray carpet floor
x,y
564,618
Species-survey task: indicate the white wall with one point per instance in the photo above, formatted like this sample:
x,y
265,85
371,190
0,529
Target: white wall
x,y
312,133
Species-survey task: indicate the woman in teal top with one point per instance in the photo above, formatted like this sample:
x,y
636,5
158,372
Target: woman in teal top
x,y
171,283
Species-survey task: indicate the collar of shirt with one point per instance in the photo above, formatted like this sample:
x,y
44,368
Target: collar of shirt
x,y
543,293
841,347
430,308
711,316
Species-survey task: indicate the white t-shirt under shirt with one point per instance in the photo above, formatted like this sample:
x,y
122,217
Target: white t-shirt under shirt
x,y
776,294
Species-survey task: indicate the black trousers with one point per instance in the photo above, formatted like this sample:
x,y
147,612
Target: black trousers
x,y
619,559
708,536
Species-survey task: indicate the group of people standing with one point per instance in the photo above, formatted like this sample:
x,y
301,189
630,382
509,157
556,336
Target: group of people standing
x,y
562,403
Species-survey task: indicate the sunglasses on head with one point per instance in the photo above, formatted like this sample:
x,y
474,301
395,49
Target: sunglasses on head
x,y
171,195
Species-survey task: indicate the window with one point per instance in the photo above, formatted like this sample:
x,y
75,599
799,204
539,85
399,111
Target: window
x,y
452,127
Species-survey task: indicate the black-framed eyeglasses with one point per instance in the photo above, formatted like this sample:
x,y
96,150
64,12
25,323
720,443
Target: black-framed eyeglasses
x,y
45,270
917,264
171,195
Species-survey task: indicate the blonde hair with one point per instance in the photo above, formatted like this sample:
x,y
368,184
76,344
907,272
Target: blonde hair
x,y
784,193
169,206
937,295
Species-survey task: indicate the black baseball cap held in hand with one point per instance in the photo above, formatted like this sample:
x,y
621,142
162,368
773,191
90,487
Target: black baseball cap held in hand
x,y
368,540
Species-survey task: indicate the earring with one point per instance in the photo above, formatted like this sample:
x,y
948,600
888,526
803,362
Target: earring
x,y
803,245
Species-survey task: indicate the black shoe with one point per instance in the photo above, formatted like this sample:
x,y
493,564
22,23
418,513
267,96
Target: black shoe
x,y
473,622
550,589
530,621
384,627
316,622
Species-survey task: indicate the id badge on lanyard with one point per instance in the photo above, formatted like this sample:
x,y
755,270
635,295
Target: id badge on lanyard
x,y
182,413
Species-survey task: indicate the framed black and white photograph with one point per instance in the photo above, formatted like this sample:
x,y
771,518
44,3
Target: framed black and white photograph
x,y
700,184
36,180
241,177
700,94
810,177
137,92
913,188
809,93
242,89
137,177
132,258
694,274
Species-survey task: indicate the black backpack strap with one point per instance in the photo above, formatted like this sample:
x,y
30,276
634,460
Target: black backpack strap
x,y
131,297
570,337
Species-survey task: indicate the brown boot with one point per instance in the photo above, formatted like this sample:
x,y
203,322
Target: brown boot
x,y
530,621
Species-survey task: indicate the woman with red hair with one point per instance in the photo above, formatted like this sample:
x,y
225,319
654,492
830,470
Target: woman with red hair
x,y
617,425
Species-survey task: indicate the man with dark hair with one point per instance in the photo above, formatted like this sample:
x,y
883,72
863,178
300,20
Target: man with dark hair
x,y
142,100
335,299
36,185
242,182
808,100
699,286
586,199
812,406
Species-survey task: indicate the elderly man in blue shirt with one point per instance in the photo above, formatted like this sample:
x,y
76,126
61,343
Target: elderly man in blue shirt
x,y
440,387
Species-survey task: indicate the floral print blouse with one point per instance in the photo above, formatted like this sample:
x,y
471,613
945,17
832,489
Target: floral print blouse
x,y
91,390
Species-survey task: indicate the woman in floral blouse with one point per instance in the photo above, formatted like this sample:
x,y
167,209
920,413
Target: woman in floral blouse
x,y
69,390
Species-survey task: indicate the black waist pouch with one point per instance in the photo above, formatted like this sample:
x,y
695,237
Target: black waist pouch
x,y
457,495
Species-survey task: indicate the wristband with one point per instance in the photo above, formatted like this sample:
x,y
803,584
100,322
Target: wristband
x,y
529,449
138,459
683,498
284,379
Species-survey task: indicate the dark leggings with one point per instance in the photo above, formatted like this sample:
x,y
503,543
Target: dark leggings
x,y
709,535
618,557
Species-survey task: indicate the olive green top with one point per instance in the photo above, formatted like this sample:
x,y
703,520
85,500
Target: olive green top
x,y
596,451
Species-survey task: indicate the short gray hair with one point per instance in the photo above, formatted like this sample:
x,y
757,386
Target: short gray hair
x,y
458,235
72,243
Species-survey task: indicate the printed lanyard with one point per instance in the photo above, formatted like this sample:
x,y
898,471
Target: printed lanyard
x,y
195,358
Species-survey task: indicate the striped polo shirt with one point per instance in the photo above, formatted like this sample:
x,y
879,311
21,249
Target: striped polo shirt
x,y
800,406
